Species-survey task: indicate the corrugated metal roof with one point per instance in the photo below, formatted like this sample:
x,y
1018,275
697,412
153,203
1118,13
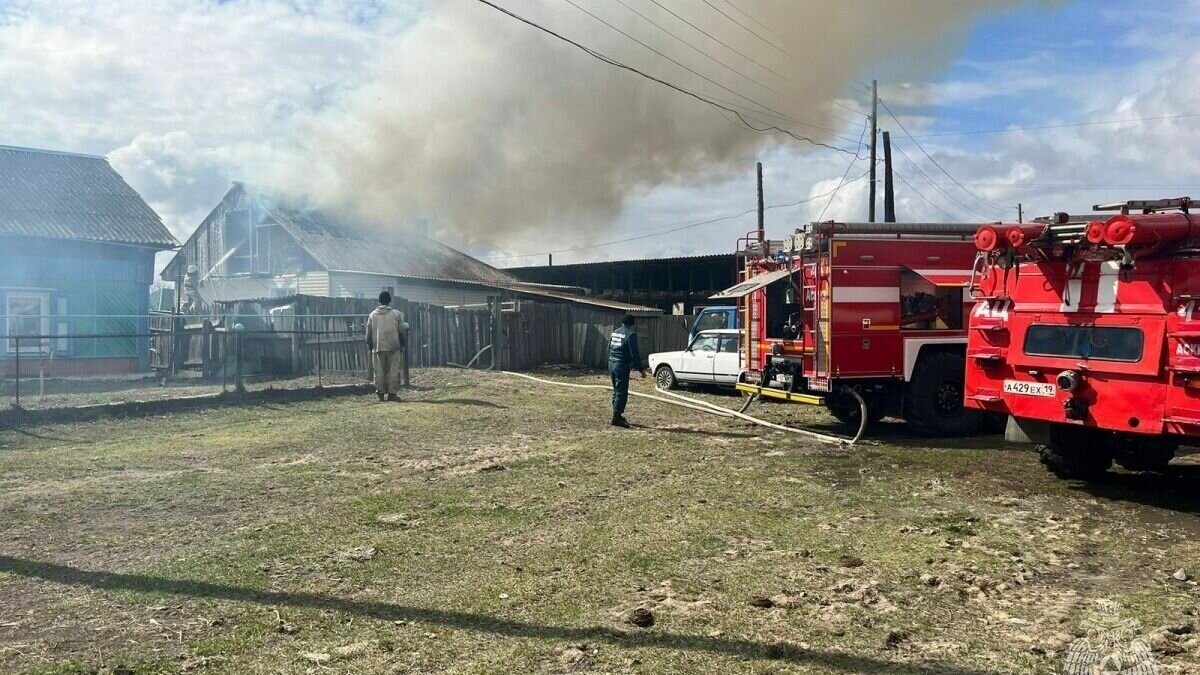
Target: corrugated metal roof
x,y
542,291
340,246
527,288
534,290
59,195
706,257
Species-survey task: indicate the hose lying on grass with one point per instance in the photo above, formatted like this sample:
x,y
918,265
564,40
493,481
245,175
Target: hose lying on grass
x,y
702,406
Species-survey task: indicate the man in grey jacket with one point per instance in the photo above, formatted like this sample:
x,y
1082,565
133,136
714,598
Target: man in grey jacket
x,y
387,334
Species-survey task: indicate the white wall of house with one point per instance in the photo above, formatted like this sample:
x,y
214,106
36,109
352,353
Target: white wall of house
x,y
250,287
361,285
343,285
313,283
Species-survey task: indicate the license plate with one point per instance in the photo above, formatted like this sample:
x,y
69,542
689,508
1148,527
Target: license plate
x,y
1043,389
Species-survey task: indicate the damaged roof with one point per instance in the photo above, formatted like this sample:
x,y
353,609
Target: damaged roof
x,y
60,195
338,246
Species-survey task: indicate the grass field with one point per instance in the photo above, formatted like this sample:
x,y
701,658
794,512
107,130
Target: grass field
x,y
495,525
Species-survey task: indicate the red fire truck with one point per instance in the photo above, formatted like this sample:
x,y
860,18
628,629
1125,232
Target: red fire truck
x,y
854,315
1086,334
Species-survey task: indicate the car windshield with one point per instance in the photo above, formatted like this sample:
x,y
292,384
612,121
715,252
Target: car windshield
x,y
712,320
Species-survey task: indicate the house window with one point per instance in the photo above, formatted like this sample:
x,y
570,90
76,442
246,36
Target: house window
x,y
28,313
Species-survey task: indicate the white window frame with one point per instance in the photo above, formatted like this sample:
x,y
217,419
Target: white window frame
x,y
27,346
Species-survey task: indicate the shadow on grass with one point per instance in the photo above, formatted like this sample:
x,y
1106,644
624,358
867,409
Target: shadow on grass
x,y
111,581
43,437
1177,489
475,402
696,432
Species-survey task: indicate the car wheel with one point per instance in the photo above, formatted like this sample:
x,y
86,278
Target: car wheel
x,y
664,377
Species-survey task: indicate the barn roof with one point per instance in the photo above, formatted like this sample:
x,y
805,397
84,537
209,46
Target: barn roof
x,y
60,195
339,246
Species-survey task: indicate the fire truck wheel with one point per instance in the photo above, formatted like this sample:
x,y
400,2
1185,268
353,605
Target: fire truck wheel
x,y
664,377
1144,453
933,405
1080,453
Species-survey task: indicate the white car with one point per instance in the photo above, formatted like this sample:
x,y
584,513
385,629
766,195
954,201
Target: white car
x,y
711,358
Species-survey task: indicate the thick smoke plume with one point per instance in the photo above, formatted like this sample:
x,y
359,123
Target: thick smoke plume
x,y
488,128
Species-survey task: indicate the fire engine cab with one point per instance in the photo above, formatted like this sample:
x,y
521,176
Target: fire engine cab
x,y
1086,334
860,317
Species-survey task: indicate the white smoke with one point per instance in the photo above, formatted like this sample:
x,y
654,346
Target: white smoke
x,y
489,128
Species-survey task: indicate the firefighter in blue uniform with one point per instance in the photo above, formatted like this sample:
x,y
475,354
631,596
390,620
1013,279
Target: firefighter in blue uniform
x,y
623,357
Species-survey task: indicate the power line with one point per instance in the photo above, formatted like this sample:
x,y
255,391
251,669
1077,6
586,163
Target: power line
x,y
747,28
918,193
1066,125
935,186
673,229
721,42
617,64
860,83
698,50
746,14
936,163
856,111
727,67
681,65
845,173
1082,186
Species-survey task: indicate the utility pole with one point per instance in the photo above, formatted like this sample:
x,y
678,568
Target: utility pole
x,y
889,192
762,230
1020,213
874,132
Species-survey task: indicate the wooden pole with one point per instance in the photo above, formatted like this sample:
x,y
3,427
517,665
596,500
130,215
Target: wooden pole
x,y
1020,213
874,133
762,231
889,192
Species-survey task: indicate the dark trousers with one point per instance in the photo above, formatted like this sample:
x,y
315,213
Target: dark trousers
x,y
620,383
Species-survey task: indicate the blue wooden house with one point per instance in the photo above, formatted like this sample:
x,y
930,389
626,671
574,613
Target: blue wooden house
x,y
77,248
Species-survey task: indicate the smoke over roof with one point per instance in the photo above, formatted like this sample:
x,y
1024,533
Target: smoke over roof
x,y
490,128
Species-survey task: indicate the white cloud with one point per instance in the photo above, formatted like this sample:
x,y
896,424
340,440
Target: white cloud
x,y
182,96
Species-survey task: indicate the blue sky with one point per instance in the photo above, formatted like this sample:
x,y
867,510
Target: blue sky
x,y
1075,38
510,143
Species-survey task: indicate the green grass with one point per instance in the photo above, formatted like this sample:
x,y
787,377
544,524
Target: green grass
x,y
216,541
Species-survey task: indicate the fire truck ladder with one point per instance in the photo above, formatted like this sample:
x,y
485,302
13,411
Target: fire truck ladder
x,y
1148,205
821,292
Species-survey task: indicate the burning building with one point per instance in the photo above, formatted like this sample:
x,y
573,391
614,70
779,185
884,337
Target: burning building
x,y
251,247
77,247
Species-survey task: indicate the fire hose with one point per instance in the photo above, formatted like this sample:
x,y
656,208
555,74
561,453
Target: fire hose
x,y
700,406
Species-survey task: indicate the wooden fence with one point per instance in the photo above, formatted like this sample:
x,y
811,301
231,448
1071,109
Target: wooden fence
x,y
301,334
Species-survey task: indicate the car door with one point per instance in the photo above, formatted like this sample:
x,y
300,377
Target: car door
x,y
727,362
698,360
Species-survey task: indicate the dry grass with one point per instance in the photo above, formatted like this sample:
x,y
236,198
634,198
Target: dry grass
x,y
490,524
